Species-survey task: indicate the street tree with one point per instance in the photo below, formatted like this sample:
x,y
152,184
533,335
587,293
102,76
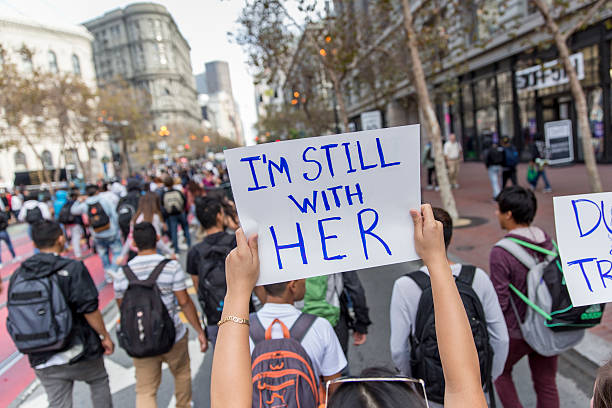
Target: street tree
x,y
556,14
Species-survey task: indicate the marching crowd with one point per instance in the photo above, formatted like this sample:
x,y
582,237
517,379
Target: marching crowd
x,y
457,331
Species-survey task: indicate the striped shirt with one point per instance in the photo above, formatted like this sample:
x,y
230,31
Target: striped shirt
x,y
171,279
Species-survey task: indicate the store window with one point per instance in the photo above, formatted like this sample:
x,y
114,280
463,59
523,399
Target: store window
x,y
20,161
506,111
591,65
596,120
486,114
469,137
47,159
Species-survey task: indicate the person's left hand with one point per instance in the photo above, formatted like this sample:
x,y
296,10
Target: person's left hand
x,y
359,338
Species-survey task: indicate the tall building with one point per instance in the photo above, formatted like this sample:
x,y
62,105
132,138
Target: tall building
x,y
55,49
218,107
142,43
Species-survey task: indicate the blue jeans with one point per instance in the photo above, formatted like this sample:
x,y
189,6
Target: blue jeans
x,y
103,247
494,172
173,223
4,236
541,173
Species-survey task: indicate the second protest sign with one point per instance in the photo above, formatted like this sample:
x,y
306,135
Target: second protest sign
x,y
329,204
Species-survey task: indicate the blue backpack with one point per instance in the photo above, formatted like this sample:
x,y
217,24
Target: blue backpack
x,y
512,156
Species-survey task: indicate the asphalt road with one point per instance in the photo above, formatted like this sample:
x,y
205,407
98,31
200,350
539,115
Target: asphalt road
x,y
378,283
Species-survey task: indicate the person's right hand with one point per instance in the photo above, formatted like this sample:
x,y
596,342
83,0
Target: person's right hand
x,y
242,266
108,345
428,235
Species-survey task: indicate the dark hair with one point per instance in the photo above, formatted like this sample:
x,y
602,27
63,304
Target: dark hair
x,y
376,394
447,223
148,206
207,209
276,289
521,201
602,395
91,189
145,236
168,181
46,233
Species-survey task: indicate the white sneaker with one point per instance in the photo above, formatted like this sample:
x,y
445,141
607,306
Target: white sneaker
x,y
437,188
547,190
429,187
1,265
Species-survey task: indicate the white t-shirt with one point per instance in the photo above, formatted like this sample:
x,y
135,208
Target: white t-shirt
x,y
320,342
452,150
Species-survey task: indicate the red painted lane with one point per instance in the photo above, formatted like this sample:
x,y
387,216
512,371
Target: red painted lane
x,y
20,376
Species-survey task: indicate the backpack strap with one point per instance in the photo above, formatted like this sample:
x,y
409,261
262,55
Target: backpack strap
x,y
517,251
129,274
256,330
157,271
466,275
420,278
301,326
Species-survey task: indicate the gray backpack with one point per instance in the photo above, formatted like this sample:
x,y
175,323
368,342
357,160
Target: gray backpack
x,y
539,301
39,319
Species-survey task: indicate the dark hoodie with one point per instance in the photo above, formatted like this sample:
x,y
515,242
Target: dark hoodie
x,y
506,269
207,261
81,296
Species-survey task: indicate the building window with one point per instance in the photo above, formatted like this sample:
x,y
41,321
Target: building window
x,y
93,154
76,65
52,62
47,159
161,50
26,60
20,161
506,111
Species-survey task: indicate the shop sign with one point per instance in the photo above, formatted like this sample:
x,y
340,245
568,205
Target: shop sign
x,y
371,120
548,74
559,142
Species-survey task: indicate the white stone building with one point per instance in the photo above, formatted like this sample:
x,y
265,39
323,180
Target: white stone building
x,y
57,49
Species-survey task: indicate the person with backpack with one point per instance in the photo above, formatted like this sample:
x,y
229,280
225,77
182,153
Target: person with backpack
x,y
53,318
232,378
4,235
73,224
150,293
301,342
511,160
413,324
537,168
104,227
128,204
494,158
517,208
33,211
173,205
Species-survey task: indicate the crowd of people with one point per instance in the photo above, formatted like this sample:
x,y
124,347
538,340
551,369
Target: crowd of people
x,y
456,330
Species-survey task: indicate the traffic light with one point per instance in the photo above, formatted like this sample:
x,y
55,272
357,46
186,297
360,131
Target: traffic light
x,y
187,147
163,131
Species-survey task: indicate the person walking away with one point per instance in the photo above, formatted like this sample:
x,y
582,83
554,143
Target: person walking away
x,y
4,235
103,225
517,208
511,160
279,319
70,346
173,204
453,154
430,165
33,211
16,203
413,324
169,279
73,224
494,159
126,209
108,195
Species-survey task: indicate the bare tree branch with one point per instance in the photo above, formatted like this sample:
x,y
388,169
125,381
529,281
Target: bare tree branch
x,y
585,19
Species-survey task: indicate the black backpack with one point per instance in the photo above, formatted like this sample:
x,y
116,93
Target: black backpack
x,y
65,215
125,213
4,220
146,326
98,218
425,357
39,318
497,155
34,215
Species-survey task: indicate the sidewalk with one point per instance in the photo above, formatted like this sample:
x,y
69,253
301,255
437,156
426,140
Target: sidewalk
x,y
473,244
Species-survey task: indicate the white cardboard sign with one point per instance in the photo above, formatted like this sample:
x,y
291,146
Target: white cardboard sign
x,y
584,234
329,204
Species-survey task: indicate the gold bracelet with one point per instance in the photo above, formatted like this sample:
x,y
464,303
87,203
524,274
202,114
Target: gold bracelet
x,y
234,319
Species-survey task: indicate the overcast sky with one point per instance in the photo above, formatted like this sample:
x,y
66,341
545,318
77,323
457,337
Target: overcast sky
x,y
204,23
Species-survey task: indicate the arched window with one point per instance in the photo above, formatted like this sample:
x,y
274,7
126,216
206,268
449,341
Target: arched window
x,y
76,65
26,60
52,62
93,154
71,156
47,159
20,161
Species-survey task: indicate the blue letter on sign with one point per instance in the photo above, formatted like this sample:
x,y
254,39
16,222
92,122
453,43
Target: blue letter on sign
x,y
368,231
299,244
251,159
311,161
580,262
324,238
283,167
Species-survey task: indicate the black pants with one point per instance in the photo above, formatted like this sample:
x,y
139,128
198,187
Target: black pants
x,y
508,174
432,180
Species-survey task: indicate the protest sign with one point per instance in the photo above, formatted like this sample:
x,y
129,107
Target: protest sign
x,y
584,234
329,204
